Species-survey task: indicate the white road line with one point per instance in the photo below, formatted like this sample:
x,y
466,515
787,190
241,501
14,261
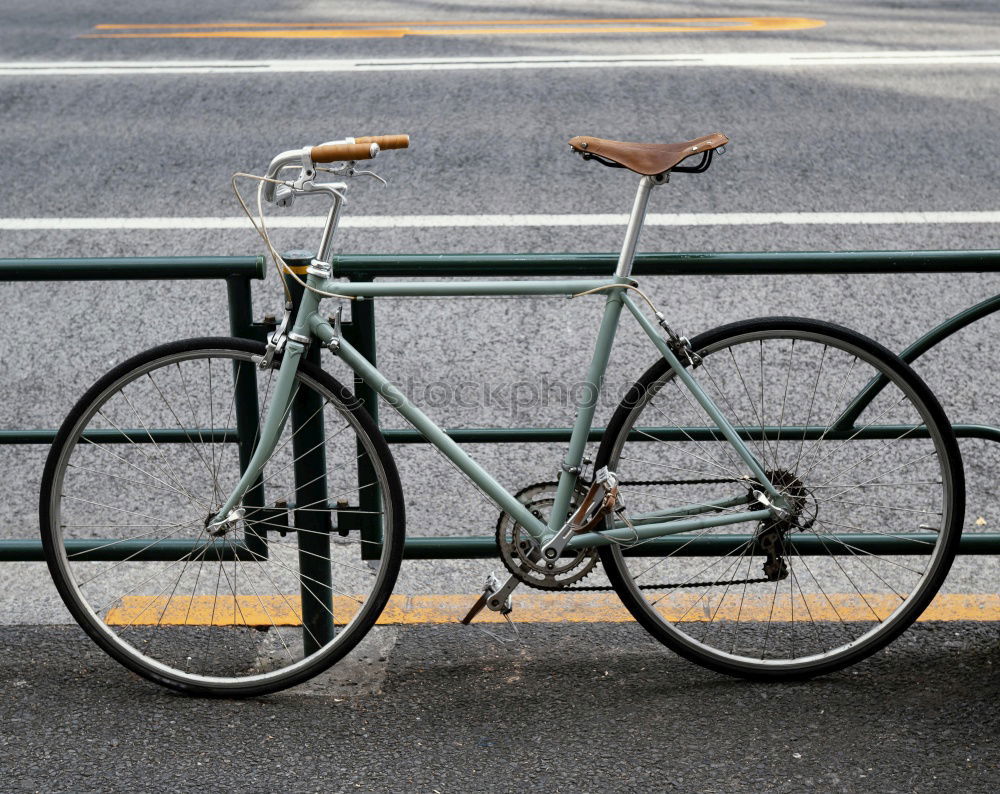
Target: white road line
x,y
452,221
733,60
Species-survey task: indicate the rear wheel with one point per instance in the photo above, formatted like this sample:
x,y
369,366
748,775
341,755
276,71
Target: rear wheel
x,y
149,454
875,500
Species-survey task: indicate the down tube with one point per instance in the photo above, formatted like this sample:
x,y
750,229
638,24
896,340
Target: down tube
x,y
433,433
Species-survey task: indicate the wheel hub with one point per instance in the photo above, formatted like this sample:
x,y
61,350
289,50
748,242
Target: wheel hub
x,y
219,528
801,513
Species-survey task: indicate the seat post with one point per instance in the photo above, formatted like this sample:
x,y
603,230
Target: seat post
x,y
635,221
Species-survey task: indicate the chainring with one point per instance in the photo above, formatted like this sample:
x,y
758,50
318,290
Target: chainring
x,y
521,554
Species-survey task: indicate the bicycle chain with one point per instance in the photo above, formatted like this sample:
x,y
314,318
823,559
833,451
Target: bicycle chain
x,y
761,580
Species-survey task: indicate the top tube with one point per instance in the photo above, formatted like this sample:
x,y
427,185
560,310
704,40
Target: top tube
x,y
399,289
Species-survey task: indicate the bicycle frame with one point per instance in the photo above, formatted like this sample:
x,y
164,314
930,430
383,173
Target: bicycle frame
x,y
309,325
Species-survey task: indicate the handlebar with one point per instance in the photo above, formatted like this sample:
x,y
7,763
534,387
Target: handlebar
x,y
363,148
387,141
349,149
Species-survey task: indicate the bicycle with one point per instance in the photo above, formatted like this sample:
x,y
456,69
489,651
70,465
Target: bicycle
x,y
739,500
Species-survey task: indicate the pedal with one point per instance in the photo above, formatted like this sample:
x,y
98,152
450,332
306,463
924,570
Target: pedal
x,y
495,596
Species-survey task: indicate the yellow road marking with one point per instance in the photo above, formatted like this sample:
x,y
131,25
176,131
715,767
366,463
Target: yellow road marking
x,y
327,30
457,23
284,610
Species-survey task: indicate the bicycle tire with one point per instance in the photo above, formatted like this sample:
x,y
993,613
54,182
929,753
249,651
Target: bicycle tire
x,y
713,613
276,633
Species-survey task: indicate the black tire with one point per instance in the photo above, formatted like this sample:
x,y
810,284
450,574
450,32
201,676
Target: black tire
x,y
716,617
97,490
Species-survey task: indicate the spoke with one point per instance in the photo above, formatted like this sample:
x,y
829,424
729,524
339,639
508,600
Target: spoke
x,y
239,366
156,447
180,425
237,607
151,601
711,461
739,612
332,561
107,451
299,574
734,563
731,466
837,410
848,486
732,410
834,537
117,542
891,471
301,427
856,555
211,424
288,603
736,554
858,432
784,400
881,534
150,578
812,402
121,510
661,465
753,405
124,479
819,586
770,614
805,601
879,506
847,576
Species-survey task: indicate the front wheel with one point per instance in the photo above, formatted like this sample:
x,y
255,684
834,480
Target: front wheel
x,y
874,495
143,462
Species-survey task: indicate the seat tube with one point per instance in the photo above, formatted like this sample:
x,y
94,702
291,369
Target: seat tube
x,y
571,467
635,222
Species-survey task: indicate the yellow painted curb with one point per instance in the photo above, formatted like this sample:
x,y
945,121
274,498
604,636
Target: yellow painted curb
x,y
569,607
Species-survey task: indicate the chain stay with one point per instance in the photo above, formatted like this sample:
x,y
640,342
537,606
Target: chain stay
x,y
760,580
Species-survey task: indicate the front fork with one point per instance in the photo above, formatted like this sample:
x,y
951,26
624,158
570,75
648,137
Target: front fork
x,y
291,345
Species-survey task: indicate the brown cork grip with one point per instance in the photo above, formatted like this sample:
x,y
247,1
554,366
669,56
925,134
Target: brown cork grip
x,y
387,141
334,152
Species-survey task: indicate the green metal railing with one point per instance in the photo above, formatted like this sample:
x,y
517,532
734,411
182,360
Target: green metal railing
x,y
368,267
237,272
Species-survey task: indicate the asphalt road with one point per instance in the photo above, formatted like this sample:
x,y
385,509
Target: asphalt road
x,y
841,138
573,709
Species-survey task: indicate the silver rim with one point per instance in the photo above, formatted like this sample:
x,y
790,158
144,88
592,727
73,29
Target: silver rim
x,y
222,612
837,596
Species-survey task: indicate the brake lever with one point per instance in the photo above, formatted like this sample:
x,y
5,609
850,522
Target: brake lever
x,y
372,174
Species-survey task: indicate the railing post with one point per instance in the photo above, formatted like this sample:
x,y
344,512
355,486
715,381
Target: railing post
x,y
311,495
247,407
360,332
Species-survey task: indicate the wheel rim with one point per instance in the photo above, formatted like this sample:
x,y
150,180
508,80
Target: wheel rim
x,y
237,610
826,607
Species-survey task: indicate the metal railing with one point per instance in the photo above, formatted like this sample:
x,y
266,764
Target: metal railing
x,y
236,271
360,331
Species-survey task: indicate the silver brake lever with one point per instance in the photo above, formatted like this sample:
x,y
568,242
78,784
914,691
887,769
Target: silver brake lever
x,y
372,174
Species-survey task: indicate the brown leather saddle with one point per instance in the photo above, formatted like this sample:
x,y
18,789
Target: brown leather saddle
x,y
649,159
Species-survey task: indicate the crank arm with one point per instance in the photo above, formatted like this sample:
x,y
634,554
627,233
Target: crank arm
x,y
495,596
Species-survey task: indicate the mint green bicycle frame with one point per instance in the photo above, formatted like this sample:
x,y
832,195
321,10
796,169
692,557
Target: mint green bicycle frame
x,y
308,324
